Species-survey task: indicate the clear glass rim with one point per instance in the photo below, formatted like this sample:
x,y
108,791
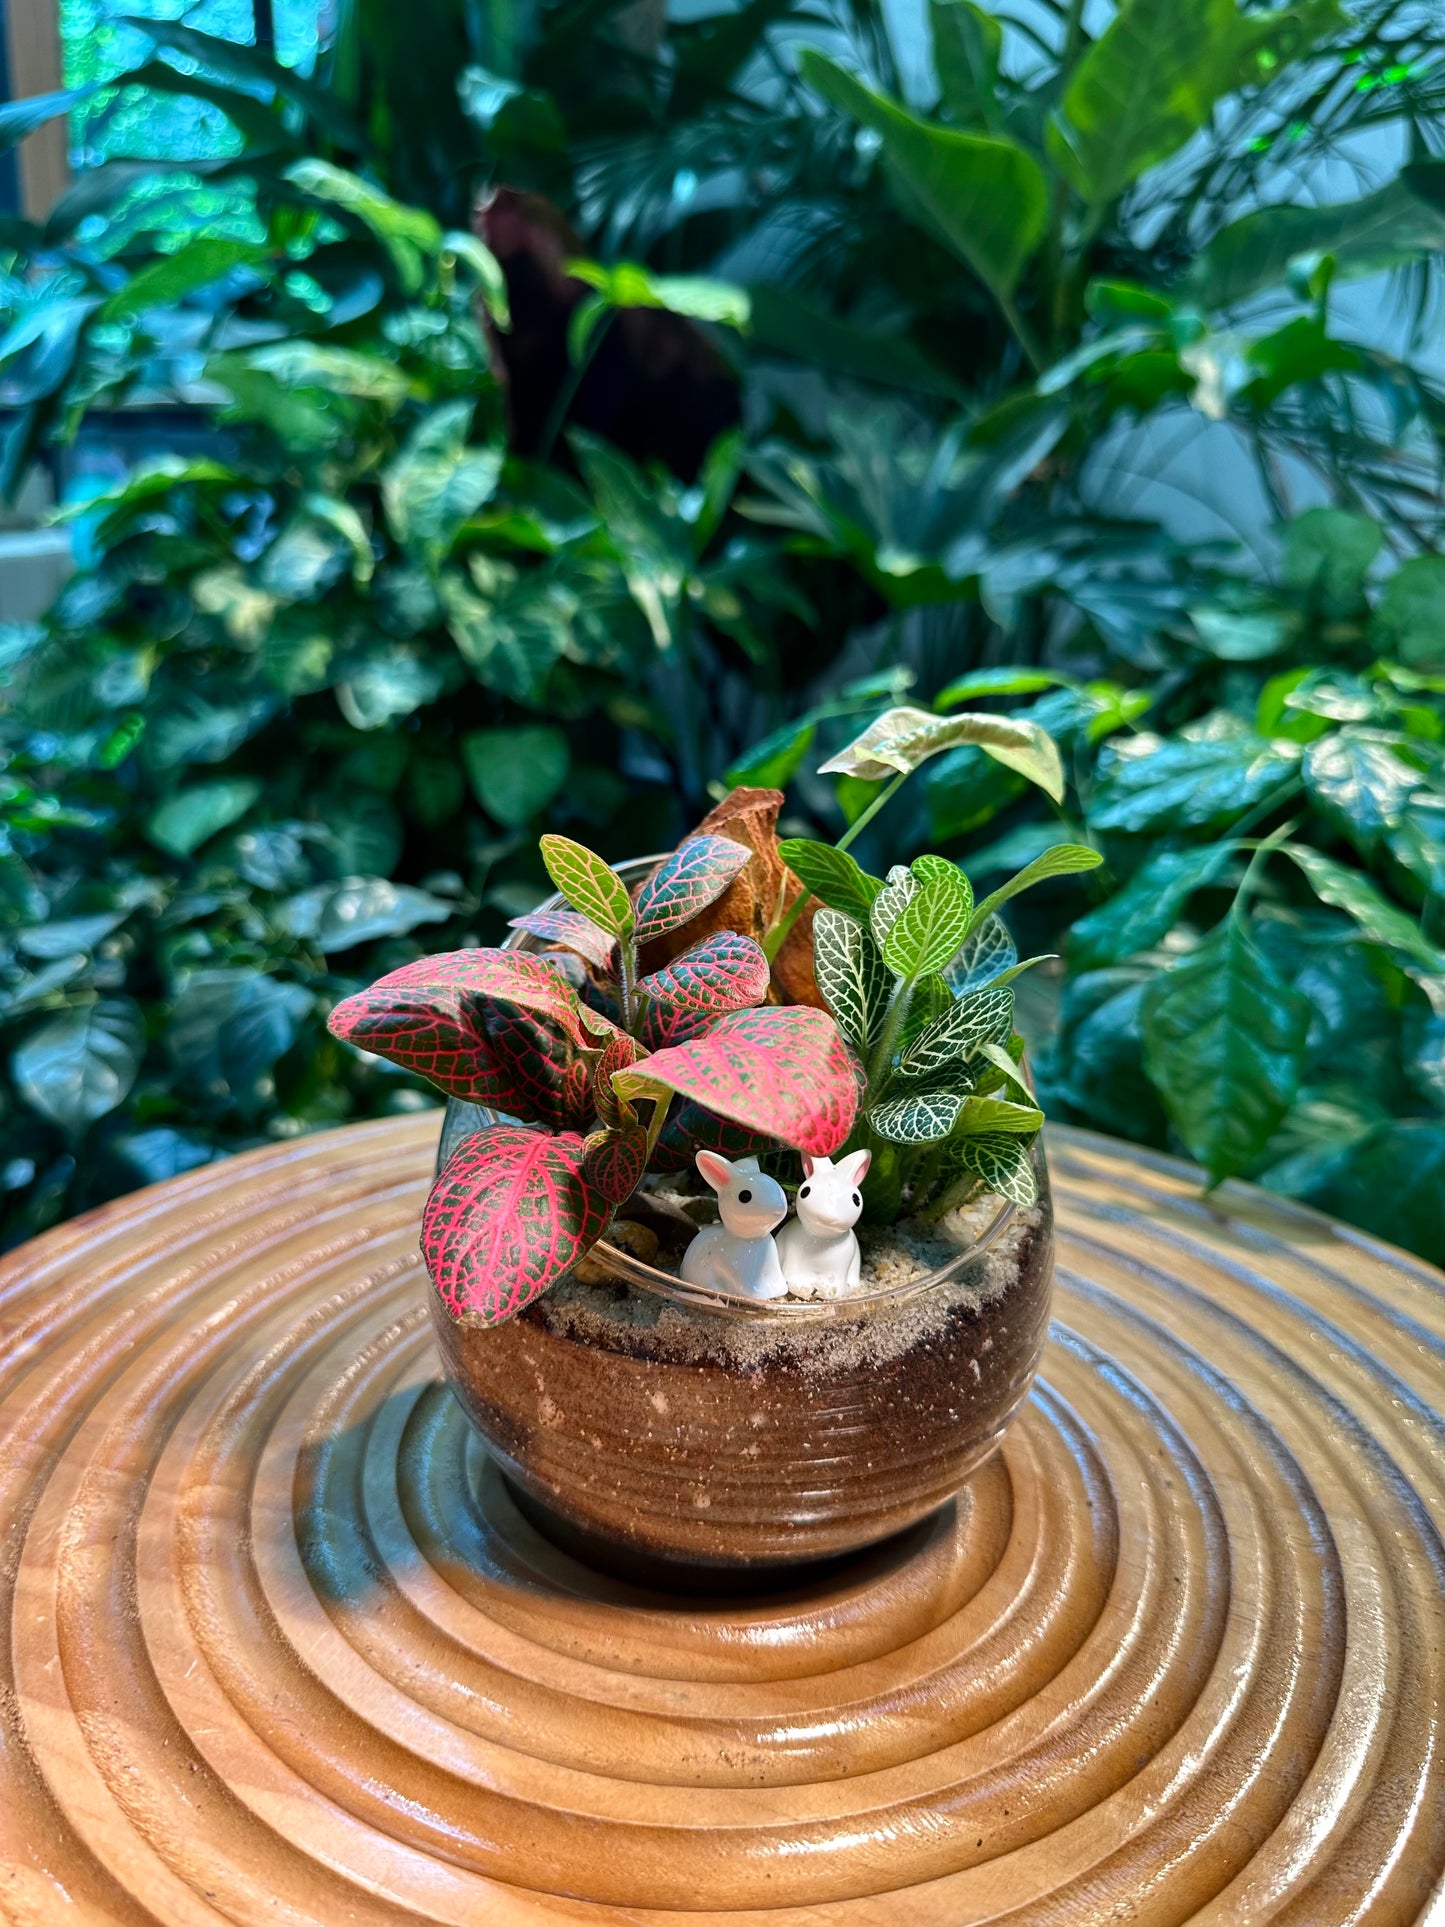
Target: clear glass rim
x,y
635,1271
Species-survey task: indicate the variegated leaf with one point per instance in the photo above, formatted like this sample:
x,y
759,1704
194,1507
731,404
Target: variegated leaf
x,y
684,884
989,951
1004,1165
617,1055
898,741
726,971
983,1017
786,1073
930,927
830,875
917,1118
1008,1068
924,867
900,888
429,1034
931,1000
544,1077
851,975
614,1161
510,1214
690,1129
576,932
588,883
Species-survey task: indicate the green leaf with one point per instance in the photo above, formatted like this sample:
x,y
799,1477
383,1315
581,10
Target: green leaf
x,y
164,283
333,370
624,284
831,875
984,196
1063,860
487,269
589,884
981,1017
78,1066
1327,555
1391,1183
966,47
987,955
228,1028
335,916
1353,892
981,1116
1150,784
21,118
184,822
1398,223
900,739
996,682
1003,1162
1358,782
1143,88
515,773
851,976
772,763
439,480
1147,908
1410,620
917,1118
411,236
377,686
930,928
1224,1039
888,905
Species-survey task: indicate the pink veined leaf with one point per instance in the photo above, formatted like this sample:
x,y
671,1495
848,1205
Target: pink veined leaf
x,y
614,1161
454,978
684,884
511,1213
543,1076
618,1055
786,1073
431,1036
726,971
575,932
690,1129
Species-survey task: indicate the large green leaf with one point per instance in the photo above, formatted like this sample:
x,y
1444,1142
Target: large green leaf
x,y
1402,221
78,1066
515,773
967,43
831,875
1063,860
1353,892
439,479
1359,783
185,821
170,279
984,196
1224,1040
1152,785
1148,907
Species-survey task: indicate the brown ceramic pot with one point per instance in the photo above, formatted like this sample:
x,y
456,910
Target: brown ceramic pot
x,y
666,1429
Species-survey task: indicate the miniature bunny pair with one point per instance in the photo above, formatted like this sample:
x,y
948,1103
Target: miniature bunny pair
x,y
816,1255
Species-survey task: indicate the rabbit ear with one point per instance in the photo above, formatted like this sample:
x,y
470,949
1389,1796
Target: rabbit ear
x,y
809,1166
716,1169
856,1166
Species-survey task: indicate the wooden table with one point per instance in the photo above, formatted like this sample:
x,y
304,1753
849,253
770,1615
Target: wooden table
x,y
282,1650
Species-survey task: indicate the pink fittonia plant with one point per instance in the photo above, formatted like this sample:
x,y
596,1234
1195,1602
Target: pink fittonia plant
x,y
581,1046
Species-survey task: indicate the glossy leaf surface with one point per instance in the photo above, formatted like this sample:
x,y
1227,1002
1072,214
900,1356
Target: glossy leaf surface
x,y
588,884
574,932
685,883
510,1214
901,739
832,876
851,975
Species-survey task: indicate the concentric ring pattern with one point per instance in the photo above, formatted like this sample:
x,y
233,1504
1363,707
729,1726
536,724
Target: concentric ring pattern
x,y
282,1650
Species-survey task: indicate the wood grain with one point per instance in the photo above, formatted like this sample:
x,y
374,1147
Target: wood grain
x,y
282,1650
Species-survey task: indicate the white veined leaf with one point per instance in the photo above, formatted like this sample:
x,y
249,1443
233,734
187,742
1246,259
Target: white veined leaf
x,y
1003,1163
899,740
900,887
931,926
983,1017
851,975
917,1118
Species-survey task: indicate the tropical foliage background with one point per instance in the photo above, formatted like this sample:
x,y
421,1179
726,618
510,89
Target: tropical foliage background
x,y
587,408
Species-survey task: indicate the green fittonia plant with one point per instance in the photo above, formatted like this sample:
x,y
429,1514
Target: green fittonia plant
x,y
919,977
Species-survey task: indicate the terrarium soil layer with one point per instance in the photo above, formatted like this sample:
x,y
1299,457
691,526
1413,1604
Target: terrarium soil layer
x,y
679,1433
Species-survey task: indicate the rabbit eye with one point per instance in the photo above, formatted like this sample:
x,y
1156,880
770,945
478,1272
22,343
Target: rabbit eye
x,y
856,1198
745,1197
804,1192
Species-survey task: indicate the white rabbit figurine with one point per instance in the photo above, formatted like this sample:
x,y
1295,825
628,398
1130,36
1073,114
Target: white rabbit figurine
x,y
738,1255
818,1250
